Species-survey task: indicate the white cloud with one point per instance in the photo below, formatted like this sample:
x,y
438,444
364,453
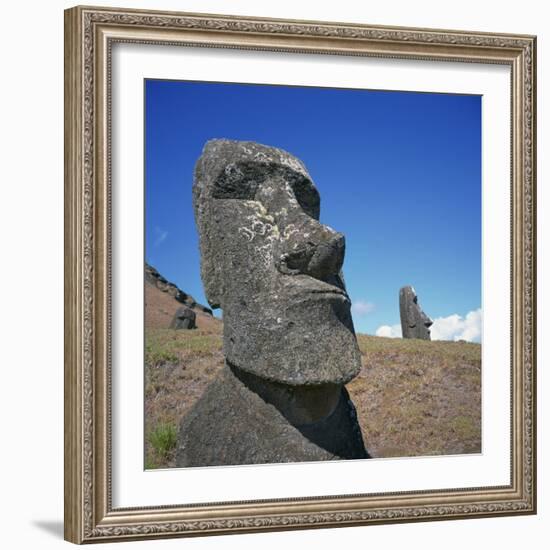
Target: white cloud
x,y
454,327
160,236
361,308
393,331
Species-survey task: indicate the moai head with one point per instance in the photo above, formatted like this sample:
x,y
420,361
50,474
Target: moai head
x,y
414,322
272,267
184,318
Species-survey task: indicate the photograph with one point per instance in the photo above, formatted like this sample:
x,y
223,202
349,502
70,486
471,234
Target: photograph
x,y
313,274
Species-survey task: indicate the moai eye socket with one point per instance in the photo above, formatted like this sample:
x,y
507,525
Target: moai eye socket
x,y
241,181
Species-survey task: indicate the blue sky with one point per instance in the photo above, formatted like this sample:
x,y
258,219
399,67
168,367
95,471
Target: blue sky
x,y
399,174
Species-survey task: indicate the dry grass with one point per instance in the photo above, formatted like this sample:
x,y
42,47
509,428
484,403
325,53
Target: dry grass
x,y
412,397
418,398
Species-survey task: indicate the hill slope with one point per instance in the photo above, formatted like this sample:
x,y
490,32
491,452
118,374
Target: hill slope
x,y
163,299
413,397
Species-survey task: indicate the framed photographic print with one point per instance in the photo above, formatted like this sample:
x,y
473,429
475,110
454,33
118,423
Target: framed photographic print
x,y
300,274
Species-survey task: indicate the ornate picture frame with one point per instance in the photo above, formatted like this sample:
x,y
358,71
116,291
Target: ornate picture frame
x,y
90,34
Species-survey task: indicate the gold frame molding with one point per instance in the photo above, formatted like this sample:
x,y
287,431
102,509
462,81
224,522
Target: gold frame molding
x,y
89,35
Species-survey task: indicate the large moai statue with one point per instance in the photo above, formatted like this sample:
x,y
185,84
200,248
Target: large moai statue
x,y
288,341
414,322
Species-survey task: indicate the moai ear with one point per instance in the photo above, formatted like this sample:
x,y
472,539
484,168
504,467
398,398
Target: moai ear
x,y
212,285
204,218
211,268
407,310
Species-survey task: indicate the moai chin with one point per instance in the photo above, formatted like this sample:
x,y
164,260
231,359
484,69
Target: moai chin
x,y
289,341
414,322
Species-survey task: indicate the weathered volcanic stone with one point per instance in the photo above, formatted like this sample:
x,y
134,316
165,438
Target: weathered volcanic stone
x,y
272,267
184,318
289,340
414,322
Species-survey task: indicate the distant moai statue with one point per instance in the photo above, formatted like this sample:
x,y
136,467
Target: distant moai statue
x,y
414,322
184,318
289,341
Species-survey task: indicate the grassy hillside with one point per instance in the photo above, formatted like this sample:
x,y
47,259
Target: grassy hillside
x,y
412,397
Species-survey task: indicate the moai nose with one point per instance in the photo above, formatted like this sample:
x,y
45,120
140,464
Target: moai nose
x,y
328,257
320,255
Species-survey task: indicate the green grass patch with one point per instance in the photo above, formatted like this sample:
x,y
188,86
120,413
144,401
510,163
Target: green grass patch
x,y
163,439
168,346
465,427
